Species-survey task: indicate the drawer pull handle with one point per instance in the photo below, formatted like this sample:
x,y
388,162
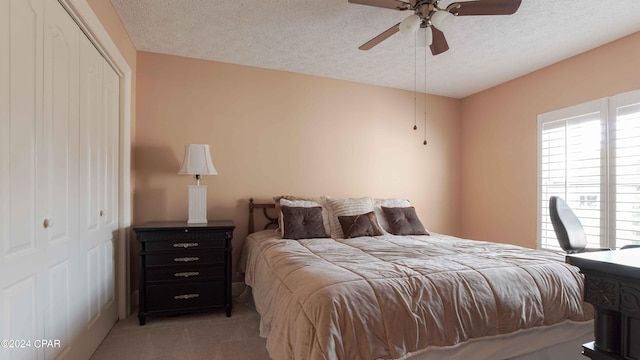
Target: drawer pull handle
x,y
185,245
186,296
186,274
186,259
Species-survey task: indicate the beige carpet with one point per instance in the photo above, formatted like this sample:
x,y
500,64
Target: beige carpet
x,y
211,336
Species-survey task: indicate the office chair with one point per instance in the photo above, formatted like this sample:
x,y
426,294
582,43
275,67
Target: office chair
x,y
568,228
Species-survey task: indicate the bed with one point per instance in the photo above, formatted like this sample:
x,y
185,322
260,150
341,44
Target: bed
x,y
409,296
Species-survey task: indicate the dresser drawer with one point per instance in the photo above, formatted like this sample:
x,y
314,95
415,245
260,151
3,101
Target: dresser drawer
x,y
185,258
197,273
185,296
181,240
184,244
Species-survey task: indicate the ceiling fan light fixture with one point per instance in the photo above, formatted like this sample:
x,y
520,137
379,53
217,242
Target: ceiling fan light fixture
x,y
428,14
441,19
410,25
425,37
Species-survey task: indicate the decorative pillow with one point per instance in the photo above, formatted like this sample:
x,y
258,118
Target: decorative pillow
x,y
404,221
345,207
360,225
277,199
302,222
302,202
382,219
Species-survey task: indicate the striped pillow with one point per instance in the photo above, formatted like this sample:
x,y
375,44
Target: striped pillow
x,y
345,207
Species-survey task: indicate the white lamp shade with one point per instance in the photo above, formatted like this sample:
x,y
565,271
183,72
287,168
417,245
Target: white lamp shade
x,y
410,25
197,161
441,19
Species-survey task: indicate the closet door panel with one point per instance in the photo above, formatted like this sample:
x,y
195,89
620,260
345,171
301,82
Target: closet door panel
x,y
97,219
91,135
59,157
109,273
93,285
21,57
59,320
111,111
58,179
91,143
21,115
20,316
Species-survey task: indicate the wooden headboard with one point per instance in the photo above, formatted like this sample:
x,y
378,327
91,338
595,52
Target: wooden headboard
x,y
265,207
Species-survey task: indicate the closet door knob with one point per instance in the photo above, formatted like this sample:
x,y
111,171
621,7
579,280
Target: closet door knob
x,y
101,212
47,223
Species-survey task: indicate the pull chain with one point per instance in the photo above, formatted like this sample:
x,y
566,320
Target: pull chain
x,y
425,93
415,82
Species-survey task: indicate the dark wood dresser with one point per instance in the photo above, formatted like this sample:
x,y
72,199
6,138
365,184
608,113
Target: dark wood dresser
x,y
612,286
184,267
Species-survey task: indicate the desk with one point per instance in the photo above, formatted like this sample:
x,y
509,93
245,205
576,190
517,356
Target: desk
x,y
612,286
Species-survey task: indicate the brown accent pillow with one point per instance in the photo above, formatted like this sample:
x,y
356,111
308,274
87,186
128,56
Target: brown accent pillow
x,y
302,222
404,221
360,225
288,197
277,199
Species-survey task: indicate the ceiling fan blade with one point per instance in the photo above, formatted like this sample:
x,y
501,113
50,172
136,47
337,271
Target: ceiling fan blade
x,y
484,7
380,38
388,4
439,43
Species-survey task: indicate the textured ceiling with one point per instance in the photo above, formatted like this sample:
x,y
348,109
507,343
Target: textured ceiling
x,y
321,37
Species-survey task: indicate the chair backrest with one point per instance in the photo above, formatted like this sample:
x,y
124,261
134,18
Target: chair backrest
x,y
568,228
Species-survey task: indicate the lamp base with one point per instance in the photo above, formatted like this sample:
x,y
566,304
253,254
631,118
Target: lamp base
x,y
197,204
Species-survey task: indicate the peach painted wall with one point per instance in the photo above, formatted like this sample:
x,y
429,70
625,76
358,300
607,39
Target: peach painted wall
x,y
499,136
274,133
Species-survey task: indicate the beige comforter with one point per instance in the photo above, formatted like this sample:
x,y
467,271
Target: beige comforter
x,y
389,296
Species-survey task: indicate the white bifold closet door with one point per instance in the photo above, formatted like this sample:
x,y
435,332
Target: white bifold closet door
x,y
98,189
59,112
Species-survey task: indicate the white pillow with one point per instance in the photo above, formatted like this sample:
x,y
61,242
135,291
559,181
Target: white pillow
x,y
345,207
304,203
382,219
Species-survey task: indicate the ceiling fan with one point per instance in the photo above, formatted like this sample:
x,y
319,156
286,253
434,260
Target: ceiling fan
x,y
429,16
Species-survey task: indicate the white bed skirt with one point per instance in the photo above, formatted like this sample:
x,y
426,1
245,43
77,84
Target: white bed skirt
x,y
559,341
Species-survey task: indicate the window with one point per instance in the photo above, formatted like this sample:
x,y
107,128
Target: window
x,y
589,155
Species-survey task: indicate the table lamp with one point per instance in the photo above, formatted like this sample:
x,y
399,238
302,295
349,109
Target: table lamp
x,y
197,162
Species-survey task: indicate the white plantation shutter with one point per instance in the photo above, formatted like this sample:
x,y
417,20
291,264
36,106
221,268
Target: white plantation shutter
x,y
589,155
626,169
570,166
